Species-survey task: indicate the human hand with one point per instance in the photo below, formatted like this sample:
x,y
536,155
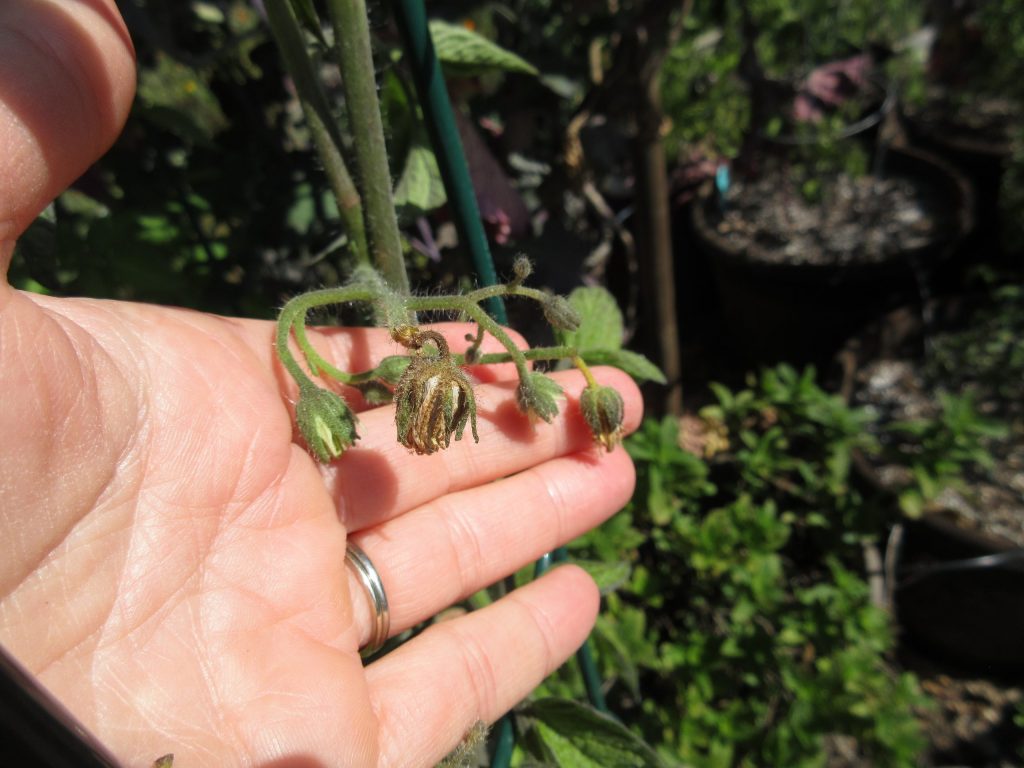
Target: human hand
x,y
175,560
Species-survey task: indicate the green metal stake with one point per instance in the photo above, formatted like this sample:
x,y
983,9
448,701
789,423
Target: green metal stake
x,y
584,657
444,136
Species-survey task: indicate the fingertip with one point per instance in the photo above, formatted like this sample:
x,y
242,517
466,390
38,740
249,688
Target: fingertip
x,y
67,77
581,599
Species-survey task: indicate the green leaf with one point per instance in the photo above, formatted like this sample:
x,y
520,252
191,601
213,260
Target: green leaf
x,y
420,186
633,363
600,321
622,657
608,575
178,98
464,53
208,12
581,737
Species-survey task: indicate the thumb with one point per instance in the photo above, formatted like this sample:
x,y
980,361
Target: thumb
x,y
67,76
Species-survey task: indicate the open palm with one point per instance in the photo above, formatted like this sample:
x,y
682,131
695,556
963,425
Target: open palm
x,y
174,566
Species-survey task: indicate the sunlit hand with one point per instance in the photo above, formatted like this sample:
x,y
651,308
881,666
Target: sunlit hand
x,y
173,563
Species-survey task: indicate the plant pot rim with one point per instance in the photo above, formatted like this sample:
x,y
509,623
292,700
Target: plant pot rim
x,y
946,135
750,256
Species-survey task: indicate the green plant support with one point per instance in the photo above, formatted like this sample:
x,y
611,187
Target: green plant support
x,y
411,17
437,111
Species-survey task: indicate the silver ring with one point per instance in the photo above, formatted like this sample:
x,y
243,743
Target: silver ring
x,y
355,556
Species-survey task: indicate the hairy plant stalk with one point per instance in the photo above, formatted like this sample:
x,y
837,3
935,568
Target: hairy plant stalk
x,y
355,58
294,313
297,309
288,34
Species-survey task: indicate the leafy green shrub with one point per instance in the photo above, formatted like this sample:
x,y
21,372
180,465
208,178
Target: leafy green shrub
x,y
938,451
705,82
744,634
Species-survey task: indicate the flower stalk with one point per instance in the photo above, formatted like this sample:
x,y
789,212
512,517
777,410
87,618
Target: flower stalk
x,y
288,35
355,58
433,396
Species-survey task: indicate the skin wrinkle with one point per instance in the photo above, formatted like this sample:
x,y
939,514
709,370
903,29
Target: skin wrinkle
x,y
55,467
561,505
463,544
480,673
216,385
213,689
93,634
86,92
547,633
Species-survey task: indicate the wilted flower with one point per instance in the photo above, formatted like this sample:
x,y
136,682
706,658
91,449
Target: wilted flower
x,y
603,409
536,395
327,424
433,400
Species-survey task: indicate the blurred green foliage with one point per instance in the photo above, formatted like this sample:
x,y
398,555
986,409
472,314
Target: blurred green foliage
x,y
744,633
209,197
705,85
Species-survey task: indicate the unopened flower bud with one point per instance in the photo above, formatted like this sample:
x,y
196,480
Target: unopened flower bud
x,y
536,395
522,268
560,313
434,400
327,424
603,410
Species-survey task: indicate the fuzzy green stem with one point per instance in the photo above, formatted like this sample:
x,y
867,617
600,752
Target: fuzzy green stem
x,y
580,363
317,364
288,34
295,310
352,42
474,312
536,353
293,317
482,294
284,328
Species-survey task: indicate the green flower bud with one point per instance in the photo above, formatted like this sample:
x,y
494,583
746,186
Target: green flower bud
x,y
536,395
603,409
327,424
433,401
522,269
560,313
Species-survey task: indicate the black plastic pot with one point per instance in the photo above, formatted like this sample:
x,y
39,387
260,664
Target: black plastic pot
x,y
803,312
957,594
982,157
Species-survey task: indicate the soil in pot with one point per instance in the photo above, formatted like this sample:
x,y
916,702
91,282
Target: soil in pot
x,y
796,279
